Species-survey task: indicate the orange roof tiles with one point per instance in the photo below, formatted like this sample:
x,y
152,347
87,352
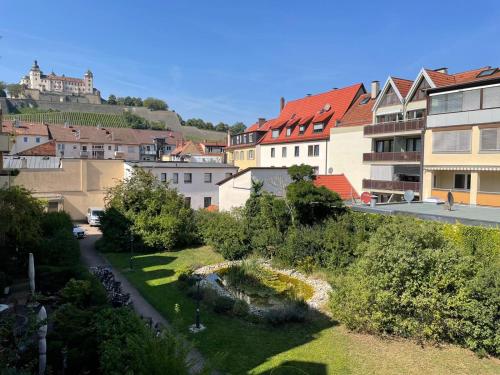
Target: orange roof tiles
x,y
25,128
403,85
359,114
45,149
337,183
339,101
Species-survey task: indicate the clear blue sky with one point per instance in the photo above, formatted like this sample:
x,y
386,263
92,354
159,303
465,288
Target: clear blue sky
x,y
233,60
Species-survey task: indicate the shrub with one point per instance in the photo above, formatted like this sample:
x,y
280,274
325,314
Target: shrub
x,y
292,312
53,222
300,243
223,304
240,308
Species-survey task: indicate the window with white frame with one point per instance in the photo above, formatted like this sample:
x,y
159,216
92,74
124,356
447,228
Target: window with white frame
x,y
318,128
188,178
296,151
250,155
283,152
454,141
273,152
456,102
207,177
25,139
276,133
288,132
302,129
490,139
316,150
37,139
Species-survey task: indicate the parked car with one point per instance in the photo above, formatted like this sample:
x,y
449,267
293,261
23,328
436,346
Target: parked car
x,y
94,216
78,232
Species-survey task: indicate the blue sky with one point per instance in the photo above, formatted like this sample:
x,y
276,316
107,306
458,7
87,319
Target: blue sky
x,y
232,61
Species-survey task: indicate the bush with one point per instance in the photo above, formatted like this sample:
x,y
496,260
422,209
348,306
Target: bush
x,y
412,282
84,293
240,308
53,222
223,304
301,243
292,312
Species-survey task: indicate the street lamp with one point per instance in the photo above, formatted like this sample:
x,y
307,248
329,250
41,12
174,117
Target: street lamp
x,y
131,265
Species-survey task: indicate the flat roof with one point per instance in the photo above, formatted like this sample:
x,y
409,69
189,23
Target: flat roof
x,y
464,214
177,164
249,169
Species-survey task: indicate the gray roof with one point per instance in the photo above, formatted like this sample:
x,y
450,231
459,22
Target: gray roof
x,y
31,162
177,164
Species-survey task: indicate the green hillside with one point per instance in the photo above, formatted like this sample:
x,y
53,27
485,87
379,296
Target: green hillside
x,y
73,118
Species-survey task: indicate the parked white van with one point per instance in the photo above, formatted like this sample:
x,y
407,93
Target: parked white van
x,y
94,216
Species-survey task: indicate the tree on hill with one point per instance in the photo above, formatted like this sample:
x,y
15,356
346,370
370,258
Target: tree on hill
x,y
15,90
221,127
237,128
155,104
2,89
112,100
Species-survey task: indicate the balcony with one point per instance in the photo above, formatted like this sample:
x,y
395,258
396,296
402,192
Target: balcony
x,y
391,185
409,156
415,125
84,154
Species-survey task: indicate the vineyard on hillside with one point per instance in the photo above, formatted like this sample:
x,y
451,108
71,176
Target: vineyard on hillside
x,y
73,118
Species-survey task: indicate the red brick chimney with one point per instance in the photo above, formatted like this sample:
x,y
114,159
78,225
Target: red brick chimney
x,y
262,121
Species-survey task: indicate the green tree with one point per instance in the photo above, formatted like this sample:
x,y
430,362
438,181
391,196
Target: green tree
x,y
112,100
301,172
3,86
222,127
155,104
15,90
237,128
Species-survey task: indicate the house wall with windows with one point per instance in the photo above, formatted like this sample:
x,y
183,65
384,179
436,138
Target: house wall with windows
x,y
462,143
196,181
244,157
313,153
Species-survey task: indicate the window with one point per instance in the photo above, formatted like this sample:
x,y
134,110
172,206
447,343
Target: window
x,y
242,155
187,202
487,72
386,145
491,97
175,178
296,151
60,146
207,177
236,155
302,129
451,141
163,177
418,113
131,149
490,139
109,148
250,154
25,139
456,102
207,201
316,150
413,144
276,133
462,181
37,139
283,152
117,148
288,132
310,150
84,147
318,128
365,100
188,178
391,117
273,152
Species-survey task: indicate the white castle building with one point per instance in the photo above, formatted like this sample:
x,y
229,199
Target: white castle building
x,y
53,83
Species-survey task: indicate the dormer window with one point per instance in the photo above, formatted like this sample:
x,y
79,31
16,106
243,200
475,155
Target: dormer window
x,y
318,128
289,132
276,133
302,129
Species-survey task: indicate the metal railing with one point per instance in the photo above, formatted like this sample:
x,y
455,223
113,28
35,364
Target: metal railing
x,y
395,127
391,185
410,156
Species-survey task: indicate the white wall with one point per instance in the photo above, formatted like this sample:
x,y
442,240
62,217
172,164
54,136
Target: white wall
x,y
278,161
345,154
197,190
20,145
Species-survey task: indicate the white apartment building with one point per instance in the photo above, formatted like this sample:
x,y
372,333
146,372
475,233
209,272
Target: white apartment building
x,y
197,182
24,135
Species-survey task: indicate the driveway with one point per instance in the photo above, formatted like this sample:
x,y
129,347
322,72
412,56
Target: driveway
x,y
92,258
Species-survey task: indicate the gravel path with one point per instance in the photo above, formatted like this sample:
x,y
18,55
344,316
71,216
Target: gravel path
x,y
92,258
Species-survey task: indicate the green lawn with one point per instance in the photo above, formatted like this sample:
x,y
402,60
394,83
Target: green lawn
x,y
318,347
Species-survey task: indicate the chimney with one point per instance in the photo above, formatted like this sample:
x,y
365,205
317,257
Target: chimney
x,y
282,103
442,70
375,89
228,138
262,121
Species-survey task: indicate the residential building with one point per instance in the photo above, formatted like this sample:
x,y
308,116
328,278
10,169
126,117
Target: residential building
x,y
198,152
53,83
155,144
72,185
235,190
339,184
301,132
399,117
462,140
348,143
243,150
25,135
197,181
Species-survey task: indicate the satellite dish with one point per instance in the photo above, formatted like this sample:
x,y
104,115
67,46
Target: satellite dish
x,y
366,197
450,200
327,107
409,195
330,170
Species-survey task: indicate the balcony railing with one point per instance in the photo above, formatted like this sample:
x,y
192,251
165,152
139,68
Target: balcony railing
x,y
391,185
409,156
395,127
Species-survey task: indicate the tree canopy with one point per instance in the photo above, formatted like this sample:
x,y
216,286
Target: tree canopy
x,y
155,104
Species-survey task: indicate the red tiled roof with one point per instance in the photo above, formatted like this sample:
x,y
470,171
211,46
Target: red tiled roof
x,y
310,106
403,85
440,79
443,79
25,128
359,114
337,183
45,149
